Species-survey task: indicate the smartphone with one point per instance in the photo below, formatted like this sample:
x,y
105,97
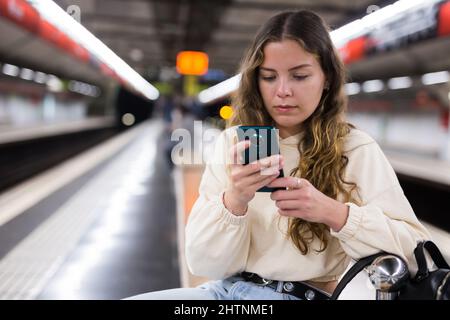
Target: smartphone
x,y
263,144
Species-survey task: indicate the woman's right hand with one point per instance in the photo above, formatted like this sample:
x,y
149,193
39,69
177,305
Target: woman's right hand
x,y
247,179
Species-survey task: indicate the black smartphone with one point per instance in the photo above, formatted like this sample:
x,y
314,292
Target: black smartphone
x,y
263,144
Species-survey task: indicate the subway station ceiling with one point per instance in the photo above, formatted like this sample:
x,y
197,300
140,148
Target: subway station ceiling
x,y
150,33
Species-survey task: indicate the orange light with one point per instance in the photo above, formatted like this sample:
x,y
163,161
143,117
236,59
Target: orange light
x,y
192,62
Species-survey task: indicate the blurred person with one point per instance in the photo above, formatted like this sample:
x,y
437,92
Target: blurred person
x,y
168,104
183,115
342,199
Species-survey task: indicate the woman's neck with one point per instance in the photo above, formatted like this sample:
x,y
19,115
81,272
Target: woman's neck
x,y
287,132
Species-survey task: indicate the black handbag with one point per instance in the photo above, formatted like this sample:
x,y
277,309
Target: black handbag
x,y
425,285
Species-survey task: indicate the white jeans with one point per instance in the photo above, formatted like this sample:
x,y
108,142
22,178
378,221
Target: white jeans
x,y
233,288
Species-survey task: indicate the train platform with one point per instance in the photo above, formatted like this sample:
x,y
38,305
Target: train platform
x,y
100,226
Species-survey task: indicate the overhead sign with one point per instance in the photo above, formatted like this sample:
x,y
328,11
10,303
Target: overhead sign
x,y
407,27
192,63
423,21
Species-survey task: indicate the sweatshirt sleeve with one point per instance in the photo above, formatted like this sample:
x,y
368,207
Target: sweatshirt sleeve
x,y
384,220
217,242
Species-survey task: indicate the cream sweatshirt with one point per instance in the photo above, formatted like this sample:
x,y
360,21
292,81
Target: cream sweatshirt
x,y
220,244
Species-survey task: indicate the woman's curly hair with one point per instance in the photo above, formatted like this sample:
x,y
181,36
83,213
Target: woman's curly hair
x,y
322,160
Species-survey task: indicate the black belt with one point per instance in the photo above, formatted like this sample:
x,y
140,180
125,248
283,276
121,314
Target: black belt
x,y
299,289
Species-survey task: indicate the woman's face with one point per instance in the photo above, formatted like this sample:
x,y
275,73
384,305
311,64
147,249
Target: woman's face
x,y
291,82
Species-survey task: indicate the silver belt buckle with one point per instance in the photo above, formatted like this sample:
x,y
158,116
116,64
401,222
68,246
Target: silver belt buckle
x,y
266,282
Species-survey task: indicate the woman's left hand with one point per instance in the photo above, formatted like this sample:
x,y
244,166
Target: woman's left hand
x,y
303,200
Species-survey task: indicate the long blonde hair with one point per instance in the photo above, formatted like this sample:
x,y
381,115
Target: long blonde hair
x,y
323,160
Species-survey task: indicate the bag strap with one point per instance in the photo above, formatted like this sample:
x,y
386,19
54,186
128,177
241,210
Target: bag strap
x,y
435,254
353,271
419,253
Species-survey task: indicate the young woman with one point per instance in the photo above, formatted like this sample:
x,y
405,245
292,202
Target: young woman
x,y
341,200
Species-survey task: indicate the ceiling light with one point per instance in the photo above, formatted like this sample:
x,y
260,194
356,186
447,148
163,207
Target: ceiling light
x,y
373,86
40,77
26,74
83,88
54,84
50,11
399,83
435,77
352,88
10,70
219,90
